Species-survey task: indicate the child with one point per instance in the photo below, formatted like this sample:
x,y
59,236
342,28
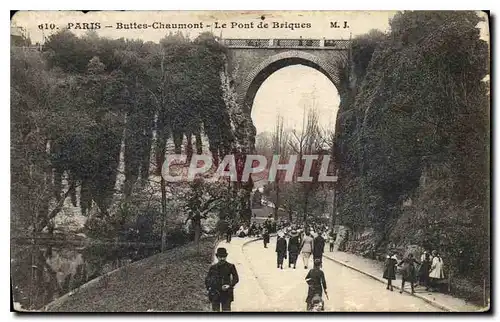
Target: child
x,y
408,272
317,304
317,283
390,270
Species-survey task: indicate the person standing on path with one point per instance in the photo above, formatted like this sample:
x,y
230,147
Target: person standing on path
x,y
265,236
409,272
317,283
220,282
306,248
390,270
436,273
424,269
331,240
293,248
229,231
281,249
319,247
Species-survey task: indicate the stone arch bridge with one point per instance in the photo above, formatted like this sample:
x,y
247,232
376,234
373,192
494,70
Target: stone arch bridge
x,y
252,61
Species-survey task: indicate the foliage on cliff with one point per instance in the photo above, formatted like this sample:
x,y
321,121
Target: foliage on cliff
x,y
83,102
413,138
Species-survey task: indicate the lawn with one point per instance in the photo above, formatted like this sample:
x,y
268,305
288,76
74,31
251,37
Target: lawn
x,y
170,281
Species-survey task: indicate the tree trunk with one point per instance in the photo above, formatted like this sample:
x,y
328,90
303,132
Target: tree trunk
x,y
276,205
199,143
334,211
189,147
164,215
306,200
197,232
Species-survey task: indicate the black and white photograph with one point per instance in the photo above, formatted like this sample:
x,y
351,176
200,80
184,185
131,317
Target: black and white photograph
x,y
250,161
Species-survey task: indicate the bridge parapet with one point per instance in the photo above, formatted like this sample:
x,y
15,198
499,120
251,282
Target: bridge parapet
x,y
329,44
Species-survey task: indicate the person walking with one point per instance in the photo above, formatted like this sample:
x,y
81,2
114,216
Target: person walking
x,y
306,248
390,270
281,249
252,232
229,231
220,282
315,278
265,236
331,240
437,272
319,246
293,248
425,267
408,272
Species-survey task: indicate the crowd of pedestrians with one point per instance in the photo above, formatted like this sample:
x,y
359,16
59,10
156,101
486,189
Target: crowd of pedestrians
x,y
309,241
428,272
306,240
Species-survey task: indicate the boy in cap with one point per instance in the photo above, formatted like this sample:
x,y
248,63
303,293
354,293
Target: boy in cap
x,y
220,281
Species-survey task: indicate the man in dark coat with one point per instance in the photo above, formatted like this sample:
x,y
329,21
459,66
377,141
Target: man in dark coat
x,y
229,231
319,247
281,249
293,248
220,282
265,236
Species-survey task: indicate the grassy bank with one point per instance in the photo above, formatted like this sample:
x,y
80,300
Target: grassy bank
x,y
170,281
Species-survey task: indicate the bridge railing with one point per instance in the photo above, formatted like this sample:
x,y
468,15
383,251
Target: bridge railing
x,y
340,44
296,42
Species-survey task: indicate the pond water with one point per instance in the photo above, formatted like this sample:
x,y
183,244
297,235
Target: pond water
x,y
41,273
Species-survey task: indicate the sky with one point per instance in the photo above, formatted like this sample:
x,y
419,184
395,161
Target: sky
x,y
288,92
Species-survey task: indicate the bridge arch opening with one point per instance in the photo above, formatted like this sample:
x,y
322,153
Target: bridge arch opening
x,y
289,84
266,68
291,92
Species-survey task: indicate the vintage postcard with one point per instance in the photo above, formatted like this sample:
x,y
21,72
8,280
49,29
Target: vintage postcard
x,y
250,161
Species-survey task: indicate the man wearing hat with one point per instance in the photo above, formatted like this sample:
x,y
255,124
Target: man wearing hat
x,y
319,247
293,248
220,282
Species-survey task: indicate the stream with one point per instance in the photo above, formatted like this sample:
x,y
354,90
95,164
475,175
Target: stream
x,y
42,272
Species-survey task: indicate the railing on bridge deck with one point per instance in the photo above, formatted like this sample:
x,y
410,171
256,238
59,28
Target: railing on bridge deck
x,y
339,44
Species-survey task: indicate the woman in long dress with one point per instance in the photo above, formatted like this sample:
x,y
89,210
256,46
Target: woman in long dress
x,y
437,272
424,269
306,248
317,283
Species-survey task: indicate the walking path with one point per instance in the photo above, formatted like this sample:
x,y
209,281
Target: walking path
x,y
352,284
374,269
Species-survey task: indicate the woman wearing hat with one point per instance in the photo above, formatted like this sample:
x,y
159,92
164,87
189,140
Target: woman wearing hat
x,y
220,282
293,248
281,249
423,271
306,248
436,272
